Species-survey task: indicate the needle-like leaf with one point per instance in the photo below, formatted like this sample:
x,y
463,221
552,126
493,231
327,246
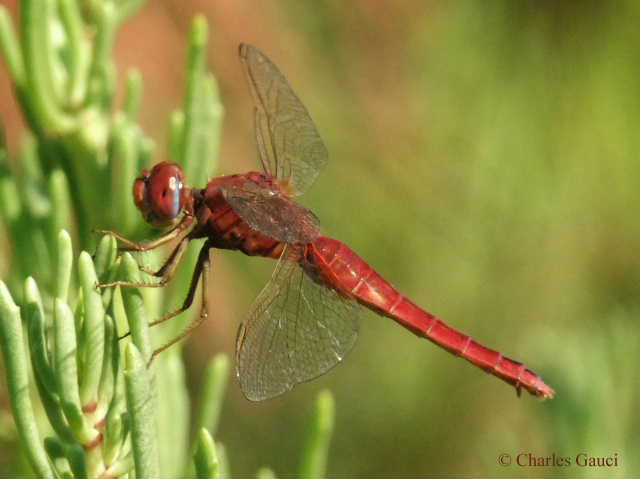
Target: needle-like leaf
x,y
203,110
10,49
78,58
174,413
213,389
140,405
75,454
15,363
134,306
101,79
66,370
40,360
126,150
64,255
35,30
205,458
265,473
57,453
133,94
196,58
115,424
176,136
105,256
61,206
314,455
109,368
10,208
92,332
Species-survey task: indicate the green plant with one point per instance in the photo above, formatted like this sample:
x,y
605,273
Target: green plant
x,y
102,414
107,414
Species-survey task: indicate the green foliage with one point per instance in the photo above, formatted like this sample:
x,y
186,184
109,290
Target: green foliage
x,y
314,459
18,383
103,414
81,156
484,159
205,458
101,411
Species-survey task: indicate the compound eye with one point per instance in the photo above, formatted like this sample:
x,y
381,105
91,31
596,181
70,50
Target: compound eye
x,y
164,189
159,194
140,193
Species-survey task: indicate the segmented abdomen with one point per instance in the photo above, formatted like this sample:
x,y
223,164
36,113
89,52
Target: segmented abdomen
x,y
346,272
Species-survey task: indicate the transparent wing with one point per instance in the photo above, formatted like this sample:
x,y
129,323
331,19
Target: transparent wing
x,y
289,145
297,330
272,213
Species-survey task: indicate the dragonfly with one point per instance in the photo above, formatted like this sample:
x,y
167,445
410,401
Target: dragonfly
x,y
306,319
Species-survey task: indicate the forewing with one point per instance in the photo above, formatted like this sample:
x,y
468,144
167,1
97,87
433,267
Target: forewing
x,y
288,142
297,330
272,213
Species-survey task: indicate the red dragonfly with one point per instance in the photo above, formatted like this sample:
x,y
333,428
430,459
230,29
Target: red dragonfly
x,y
305,320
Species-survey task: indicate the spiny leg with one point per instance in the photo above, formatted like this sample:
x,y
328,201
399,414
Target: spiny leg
x,y
168,269
203,257
203,268
186,222
166,272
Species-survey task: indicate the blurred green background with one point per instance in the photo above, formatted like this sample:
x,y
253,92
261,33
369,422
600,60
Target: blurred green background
x,y
483,158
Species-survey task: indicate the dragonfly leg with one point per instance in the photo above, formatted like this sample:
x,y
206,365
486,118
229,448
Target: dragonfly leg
x,y
166,272
186,222
203,268
133,284
169,267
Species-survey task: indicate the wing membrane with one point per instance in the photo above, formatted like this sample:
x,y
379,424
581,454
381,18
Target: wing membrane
x,y
272,213
298,329
288,142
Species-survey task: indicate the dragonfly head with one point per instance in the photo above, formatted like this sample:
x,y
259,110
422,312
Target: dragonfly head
x,y
161,194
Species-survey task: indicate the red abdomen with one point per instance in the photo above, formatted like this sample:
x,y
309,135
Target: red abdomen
x,y
345,271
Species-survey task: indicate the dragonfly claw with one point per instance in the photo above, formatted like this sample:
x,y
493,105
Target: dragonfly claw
x,y
125,335
148,271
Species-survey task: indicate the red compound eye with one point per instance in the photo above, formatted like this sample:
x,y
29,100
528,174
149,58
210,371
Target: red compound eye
x,y
158,193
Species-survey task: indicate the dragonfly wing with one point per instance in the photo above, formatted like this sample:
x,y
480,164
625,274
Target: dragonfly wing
x,y
272,213
297,330
289,145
